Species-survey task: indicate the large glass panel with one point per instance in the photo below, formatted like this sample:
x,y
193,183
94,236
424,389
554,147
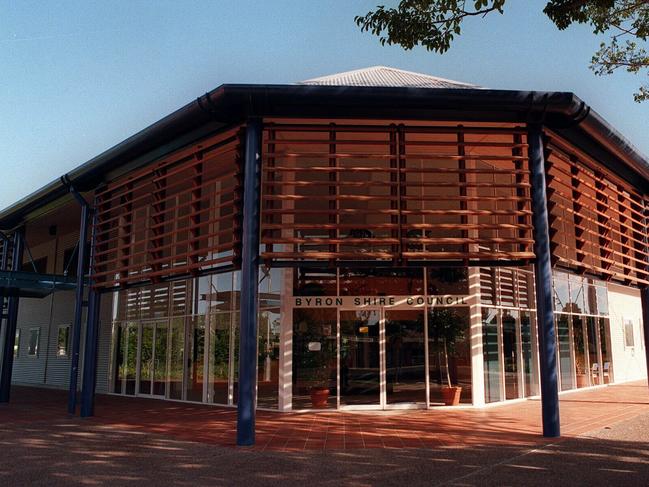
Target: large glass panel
x,y
602,300
491,354
131,358
593,361
146,359
405,356
448,280
382,282
561,293
605,343
268,366
579,343
196,355
314,358
176,359
527,350
449,352
565,352
510,354
160,360
119,345
359,357
577,294
219,326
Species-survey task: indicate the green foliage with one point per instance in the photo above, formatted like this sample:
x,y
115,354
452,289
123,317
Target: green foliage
x,y
434,24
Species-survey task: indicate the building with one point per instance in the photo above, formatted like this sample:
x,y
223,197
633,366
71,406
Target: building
x,y
373,239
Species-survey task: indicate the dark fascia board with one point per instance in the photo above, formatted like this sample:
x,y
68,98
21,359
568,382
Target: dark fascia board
x,y
231,104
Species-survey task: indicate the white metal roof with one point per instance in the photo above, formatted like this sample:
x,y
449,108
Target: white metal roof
x,y
387,77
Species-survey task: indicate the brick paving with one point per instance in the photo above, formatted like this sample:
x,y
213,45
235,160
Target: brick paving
x,y
512,425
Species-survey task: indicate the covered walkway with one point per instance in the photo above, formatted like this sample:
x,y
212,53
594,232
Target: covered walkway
x,y
515,424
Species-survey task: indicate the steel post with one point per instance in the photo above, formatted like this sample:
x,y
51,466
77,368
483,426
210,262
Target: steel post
x,y
12,319
543,276
78,309
89,381
249,287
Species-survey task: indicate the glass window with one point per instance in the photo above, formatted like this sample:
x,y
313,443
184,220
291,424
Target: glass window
x,y
448,280
449,352
382,282
581,357
17,343
314,357
629,339
511,353
491,354
561,294
605,342
564,351
577,298
602,300
32,344
63,341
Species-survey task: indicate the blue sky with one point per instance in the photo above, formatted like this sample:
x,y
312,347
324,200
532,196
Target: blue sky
x,y
77,77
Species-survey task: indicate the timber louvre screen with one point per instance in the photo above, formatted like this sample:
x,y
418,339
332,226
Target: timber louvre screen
x,y
598,221
175,217
395,193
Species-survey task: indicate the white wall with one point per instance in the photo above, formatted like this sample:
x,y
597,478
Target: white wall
x,y
629,363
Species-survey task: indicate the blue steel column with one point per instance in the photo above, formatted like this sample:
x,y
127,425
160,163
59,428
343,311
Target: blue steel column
x,y
89,379
12,318
249,279
543,276
78,309
90,355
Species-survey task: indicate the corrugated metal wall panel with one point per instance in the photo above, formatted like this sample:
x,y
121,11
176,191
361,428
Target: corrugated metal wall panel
x,y
103,352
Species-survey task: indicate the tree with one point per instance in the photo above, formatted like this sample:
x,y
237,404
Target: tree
x,y
434,24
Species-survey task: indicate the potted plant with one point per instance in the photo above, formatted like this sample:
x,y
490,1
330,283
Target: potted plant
x,y
448,329
320,387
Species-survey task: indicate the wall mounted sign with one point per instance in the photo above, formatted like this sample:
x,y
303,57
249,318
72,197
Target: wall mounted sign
x,y
353,302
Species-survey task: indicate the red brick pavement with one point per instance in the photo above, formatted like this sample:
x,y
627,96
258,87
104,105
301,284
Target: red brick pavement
x,y
511,424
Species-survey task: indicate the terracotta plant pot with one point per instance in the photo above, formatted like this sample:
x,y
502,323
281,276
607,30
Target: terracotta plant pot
x,y
319,397
451,395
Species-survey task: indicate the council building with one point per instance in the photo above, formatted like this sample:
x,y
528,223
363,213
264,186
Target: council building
x,y
376,239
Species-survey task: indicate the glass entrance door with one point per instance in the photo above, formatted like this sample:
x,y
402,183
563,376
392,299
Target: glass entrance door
x,y
360,358
382,358
405,357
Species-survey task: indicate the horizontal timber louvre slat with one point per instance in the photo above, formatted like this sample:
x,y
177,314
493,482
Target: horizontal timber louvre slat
x,y
395,193
177,216
598,222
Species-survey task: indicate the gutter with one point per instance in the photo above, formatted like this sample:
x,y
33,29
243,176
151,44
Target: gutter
x,y
227,104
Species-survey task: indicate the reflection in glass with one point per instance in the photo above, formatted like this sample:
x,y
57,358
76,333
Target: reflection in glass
x,y
195,373
359,357
219,357
564,351
176,359
561,294
449,352
268,360
448,280
605,343
146,360
510,354
382,282
581,358
131,359
491,354
160,360
405,356
593,362
314,357
527,350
